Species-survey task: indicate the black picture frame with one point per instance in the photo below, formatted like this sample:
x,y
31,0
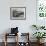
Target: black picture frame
x,y
18,13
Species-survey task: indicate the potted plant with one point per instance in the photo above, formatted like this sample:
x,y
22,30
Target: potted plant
x,y
39,35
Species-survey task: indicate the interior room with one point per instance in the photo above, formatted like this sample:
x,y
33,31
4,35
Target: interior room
x,y
22,22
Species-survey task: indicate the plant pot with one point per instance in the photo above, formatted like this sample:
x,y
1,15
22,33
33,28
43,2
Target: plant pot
x,y
40,41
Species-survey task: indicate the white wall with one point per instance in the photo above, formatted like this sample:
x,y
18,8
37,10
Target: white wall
x,y
24,25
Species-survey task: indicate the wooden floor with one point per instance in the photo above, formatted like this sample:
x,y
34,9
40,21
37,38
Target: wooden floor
x,y
13,44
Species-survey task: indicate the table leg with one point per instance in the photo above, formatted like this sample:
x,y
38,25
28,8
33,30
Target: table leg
x,y
5,40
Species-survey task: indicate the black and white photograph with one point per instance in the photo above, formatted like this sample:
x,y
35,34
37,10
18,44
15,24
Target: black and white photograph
x,y
18,13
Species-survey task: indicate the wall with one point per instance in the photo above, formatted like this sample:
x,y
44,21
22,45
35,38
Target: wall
x,y
24,25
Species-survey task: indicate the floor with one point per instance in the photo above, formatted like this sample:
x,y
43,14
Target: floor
x,y
13,44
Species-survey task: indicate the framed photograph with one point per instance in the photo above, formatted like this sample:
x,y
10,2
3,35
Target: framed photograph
x,y
41,9
41,12
18,13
